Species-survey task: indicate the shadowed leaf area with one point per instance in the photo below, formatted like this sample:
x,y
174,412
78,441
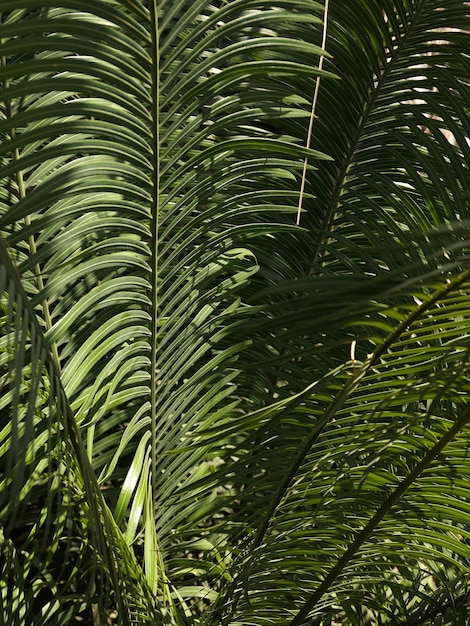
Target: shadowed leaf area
x,y
213,413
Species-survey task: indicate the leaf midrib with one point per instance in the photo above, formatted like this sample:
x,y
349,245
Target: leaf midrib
x,y
341,181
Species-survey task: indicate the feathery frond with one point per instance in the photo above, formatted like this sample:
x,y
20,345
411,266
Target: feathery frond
x,y
210,415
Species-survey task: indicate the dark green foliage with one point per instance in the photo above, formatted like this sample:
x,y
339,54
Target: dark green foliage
x,y
210,415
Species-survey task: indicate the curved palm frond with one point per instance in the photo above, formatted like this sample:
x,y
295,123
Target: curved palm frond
x,y
228,418
351,475
136,152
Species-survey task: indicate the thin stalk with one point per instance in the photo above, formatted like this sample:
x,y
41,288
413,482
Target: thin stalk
x,y
155,225
312,114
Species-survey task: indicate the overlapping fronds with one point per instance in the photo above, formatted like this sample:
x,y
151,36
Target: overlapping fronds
x,y
137,161
208,414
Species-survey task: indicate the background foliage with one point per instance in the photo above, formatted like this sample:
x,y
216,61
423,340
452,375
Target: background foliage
x,y
209,414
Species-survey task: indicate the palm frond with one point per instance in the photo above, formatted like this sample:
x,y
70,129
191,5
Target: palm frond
x,y
126,127
218,416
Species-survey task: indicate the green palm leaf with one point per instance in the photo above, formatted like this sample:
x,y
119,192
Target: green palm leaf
x,y
125,128
208,414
